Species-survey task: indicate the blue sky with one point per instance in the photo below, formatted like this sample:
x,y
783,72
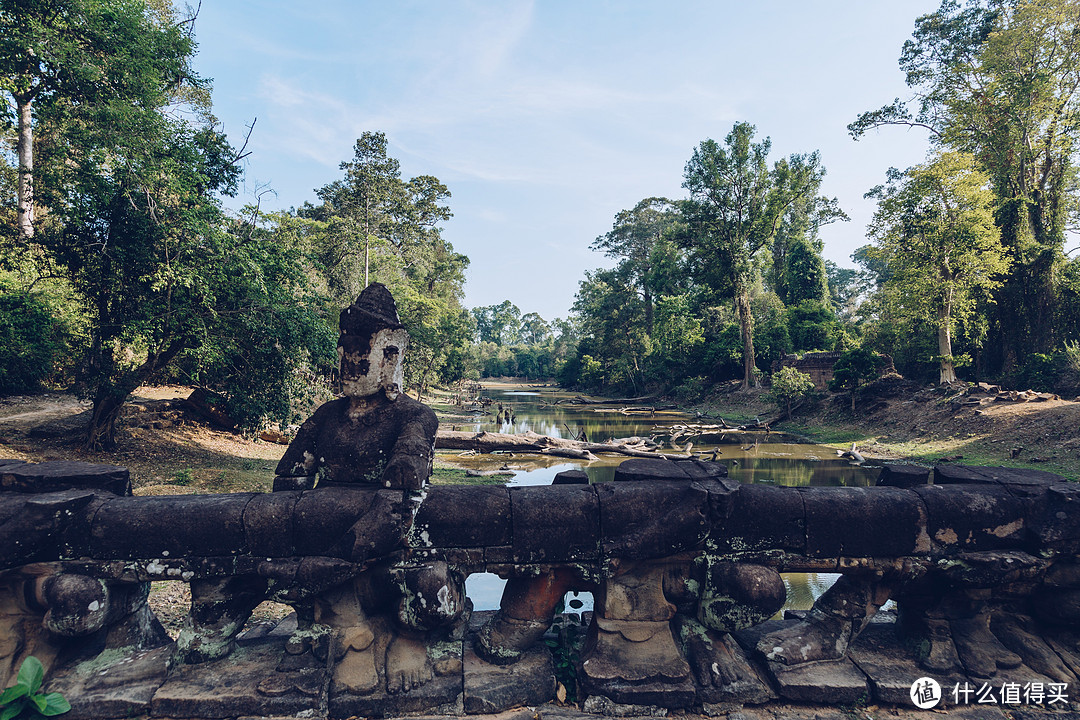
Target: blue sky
x,y
546,118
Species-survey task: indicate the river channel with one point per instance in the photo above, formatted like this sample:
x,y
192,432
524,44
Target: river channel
x,y
773,458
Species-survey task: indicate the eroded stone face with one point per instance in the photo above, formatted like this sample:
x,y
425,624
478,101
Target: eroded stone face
x,y
373,364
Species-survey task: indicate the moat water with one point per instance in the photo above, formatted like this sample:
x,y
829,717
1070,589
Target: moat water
x,y
762,458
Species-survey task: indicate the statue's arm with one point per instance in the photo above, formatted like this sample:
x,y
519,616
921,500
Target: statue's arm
x,y
410,465
297,468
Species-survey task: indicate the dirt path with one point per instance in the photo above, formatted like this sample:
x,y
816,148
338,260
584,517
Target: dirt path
x,y
167,448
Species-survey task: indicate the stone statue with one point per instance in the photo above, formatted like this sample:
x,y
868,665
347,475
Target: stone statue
x,y
375,437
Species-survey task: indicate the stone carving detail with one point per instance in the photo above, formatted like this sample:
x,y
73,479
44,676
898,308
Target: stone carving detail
x,y
684,569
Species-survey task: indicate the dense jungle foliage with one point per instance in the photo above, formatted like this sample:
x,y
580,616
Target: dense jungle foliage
x,y
120,264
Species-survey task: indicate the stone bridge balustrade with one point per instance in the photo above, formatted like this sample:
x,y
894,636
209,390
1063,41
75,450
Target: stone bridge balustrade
x,y
683,563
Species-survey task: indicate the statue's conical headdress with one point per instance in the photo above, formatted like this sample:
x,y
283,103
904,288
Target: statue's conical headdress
x,y
374,310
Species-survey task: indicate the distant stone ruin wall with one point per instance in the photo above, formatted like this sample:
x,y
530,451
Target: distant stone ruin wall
x,y
819,366
683,564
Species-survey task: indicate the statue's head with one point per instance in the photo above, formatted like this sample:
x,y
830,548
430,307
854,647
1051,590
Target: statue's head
x,y
371,348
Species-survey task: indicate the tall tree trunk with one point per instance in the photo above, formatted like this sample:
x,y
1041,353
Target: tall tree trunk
x,y
944,337
25,151
101,435
109,397
746,325
944,343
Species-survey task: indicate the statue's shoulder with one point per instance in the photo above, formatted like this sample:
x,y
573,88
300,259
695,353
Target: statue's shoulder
x,y
415,410
324,412
337,405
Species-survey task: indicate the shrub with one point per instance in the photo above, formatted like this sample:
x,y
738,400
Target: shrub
x,y
854,369
32,341
790,385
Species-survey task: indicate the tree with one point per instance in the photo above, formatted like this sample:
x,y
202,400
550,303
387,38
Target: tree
x,y
854,369
380,227
845,286
372,211
998,80
85,57
935,233
805,277
31,340
635,239
735,208
790,385
534,329
132,172
500,324
798,270
140,237
611,332
268,342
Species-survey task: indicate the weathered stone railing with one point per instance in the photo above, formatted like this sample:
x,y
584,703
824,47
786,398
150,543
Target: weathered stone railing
x,y
684,565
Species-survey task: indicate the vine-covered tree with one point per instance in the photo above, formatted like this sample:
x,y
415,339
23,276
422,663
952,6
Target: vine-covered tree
x,y
998,80
935,234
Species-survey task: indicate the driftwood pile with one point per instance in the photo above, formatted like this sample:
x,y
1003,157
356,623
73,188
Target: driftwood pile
x,y
530,442
983,394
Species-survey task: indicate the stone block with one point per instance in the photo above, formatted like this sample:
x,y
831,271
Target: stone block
x,y
863,522
247,682
163,526
904,476
891,665
835,682
64,475
120,686
652,519
466,516
1059,521
973,517
500,555
555,523
494,688
638,469
571,477
268,523
764,518
442,695
979,475
322,518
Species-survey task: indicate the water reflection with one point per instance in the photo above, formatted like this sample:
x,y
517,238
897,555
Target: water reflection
x,y
761,458
804,588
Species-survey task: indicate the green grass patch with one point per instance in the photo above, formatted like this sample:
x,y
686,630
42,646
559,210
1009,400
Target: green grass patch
x,y
458,476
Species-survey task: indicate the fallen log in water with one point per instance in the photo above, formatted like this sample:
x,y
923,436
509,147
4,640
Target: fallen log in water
x,y
530,442
582,400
